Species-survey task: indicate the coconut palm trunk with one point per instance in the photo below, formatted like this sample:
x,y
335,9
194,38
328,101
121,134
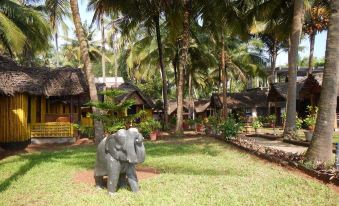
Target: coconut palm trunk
x,y
182,65
310,59
98,127
289,132
103,42
57,48
320,149
223,77
274,55
162,68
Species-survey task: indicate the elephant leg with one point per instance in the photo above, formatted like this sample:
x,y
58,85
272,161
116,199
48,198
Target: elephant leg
x,y
99,182
122,180
132,177
113,168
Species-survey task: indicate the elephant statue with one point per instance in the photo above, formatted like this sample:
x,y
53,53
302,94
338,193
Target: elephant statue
x,y
117,156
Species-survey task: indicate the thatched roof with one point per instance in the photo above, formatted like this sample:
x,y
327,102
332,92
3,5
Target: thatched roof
x,y
278,91
247,99
130,90
200,106
40,81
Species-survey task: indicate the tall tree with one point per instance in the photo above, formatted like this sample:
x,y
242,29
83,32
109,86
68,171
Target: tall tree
x,y
316,21
58,11
320,150
182,65
294,41
98,127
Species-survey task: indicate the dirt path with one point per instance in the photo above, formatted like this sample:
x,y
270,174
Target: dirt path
x,y
278,144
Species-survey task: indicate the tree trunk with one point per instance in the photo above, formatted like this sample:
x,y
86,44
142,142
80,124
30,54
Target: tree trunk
x,y
310,59
289,132
162,68
98,127
274,55
320,149
103,63
223,78
182,65
190,99
57,48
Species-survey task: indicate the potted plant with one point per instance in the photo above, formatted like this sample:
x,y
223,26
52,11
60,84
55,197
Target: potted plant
x,y
310,122
190,123
257,124
199,126
149,128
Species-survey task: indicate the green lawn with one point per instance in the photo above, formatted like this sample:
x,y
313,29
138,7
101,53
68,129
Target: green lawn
x,y
196,171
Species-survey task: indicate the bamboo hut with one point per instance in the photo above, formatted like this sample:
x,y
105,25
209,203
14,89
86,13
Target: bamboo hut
x,y
38,102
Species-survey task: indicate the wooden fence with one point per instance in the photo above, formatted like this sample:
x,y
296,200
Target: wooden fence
x,y
51,129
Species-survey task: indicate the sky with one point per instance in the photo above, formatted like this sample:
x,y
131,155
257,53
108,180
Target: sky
x,y
319,48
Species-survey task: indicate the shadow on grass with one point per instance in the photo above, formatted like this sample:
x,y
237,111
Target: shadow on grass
x,y
82,158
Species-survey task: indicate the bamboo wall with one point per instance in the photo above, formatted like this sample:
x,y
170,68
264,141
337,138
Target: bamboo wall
x,y
13,118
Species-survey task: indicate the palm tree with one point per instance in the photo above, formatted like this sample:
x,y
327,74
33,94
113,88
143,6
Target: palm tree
x,y
320,150
146,13
298,13
98,127
182,64
58,11
316,21
22,28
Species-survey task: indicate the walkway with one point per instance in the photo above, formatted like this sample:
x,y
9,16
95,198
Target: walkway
x,y
278,144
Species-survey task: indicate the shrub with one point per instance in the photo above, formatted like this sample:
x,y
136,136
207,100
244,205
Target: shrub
x,y
230,128
311,118
298,123
257,124
149,125
214,123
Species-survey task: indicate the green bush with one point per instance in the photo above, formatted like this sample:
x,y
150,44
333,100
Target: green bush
x,y
230,128
214,123
87,131
311,118
257,124
149,125
298,123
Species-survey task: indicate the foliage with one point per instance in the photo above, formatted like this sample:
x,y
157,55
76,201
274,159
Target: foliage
x,y
113,112
271,119
257,123
85,130
311,118
149,125
230,128
214,122
298,123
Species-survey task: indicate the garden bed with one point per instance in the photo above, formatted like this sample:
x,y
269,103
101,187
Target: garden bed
x,y
284,158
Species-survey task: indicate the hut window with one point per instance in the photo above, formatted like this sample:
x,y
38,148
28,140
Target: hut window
x,y
38,110
46,106
63,109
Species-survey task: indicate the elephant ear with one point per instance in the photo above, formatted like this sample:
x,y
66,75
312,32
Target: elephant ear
x,y
114,148
140,149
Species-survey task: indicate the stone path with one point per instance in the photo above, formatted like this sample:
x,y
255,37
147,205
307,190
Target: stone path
x,y
278,144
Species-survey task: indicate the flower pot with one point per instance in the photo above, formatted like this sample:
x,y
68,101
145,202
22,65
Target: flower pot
x,y
153,135
199,128
308,135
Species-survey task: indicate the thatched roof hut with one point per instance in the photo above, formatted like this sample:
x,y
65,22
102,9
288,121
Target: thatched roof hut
x,y
133,91
40,81
248,99
278,91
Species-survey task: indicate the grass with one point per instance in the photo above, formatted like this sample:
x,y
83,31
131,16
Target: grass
x,y
195,171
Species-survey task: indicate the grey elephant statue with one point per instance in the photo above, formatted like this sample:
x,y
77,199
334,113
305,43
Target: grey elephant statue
x,y
117,156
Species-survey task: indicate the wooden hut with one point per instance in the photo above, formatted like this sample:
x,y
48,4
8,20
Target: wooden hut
x,y
38,102
141,101
277,97
250,103
310,94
